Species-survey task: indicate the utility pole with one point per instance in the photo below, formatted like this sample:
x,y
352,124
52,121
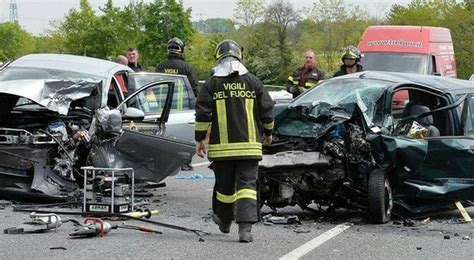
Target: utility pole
x,y
13,11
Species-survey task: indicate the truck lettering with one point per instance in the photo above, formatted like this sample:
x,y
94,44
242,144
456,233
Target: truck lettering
x,y
395,43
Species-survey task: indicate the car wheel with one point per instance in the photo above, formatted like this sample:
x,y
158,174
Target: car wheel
x,y
380,197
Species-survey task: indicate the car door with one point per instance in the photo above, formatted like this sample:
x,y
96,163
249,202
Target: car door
x,y
180,124
448,169
153,156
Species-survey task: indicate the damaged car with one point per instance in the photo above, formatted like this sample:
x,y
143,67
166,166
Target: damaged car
x,y
346,144
61,112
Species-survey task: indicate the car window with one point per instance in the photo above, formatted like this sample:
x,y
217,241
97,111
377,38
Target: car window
x,y
151,100
470,117
181,98
399,62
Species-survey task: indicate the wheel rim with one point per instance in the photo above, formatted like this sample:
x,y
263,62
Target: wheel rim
x,y
388,198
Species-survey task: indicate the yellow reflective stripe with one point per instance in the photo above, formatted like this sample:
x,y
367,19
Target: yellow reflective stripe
x,y
179,105
290,78
247,194
250,120
235,153
201,126
269,126
226,198
235,146
309,84
222,121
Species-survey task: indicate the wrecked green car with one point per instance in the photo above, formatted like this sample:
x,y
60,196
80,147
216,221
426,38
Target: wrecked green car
x,y
343,144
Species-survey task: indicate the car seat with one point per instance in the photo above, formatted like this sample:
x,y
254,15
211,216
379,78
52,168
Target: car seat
x,y
427,121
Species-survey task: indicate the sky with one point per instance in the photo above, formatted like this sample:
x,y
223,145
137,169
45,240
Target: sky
x,y
35,15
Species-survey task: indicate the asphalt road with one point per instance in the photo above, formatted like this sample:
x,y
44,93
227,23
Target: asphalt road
x,y
187,202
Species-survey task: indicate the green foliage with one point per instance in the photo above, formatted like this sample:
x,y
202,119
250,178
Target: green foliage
x,y
14,41
200,53
163,20
339,24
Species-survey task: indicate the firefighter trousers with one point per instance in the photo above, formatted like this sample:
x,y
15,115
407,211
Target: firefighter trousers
x,y
235,190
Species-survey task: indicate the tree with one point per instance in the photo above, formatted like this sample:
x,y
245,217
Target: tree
x,y
78,26
163,20
248,12
14,41
340,25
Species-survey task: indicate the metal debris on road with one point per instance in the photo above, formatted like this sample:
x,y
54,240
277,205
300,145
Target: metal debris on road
x,y
292,219
447,237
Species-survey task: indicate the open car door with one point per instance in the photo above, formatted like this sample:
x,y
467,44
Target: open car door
x,y
153,157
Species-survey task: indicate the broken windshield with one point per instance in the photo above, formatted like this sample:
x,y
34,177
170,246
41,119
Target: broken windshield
x,y
363,92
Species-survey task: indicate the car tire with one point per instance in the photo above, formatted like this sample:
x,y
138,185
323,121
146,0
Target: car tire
x,y
380,197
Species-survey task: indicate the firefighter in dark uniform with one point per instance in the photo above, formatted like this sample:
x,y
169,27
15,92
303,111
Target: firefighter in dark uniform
x,y
175,64
350,61
305,77
238,110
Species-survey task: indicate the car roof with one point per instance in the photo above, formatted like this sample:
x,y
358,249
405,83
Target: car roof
x,y
82,64
436,82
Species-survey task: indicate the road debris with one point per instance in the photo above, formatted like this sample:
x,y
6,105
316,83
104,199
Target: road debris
x,y
291,219
447,237
39,223
195,177
463,211
58,248
465,238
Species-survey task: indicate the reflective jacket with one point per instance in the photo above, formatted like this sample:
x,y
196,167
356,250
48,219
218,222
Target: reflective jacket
x,y
238,109
177,65
304,77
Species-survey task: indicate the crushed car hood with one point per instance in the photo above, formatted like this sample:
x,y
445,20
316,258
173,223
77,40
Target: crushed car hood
x,y
312,120
55,95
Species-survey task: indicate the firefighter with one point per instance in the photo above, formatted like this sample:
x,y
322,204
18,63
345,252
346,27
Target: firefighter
x,y
175,64
306,76
238,110
350,61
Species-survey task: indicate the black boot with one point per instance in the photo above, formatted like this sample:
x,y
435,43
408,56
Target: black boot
x,y
224,227
245,232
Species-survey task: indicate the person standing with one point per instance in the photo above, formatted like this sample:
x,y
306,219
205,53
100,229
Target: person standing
x,y
306,76
133,56
350,61
237,108
175,64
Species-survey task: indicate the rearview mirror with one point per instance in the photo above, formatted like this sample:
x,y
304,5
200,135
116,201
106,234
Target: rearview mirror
x,y
133,114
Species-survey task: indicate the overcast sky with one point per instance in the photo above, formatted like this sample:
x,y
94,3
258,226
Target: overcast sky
x,y
35,15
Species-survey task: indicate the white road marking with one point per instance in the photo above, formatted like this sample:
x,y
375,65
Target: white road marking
x,y
316,242
200,164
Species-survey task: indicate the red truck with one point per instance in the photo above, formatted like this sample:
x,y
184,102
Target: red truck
x,y
413,49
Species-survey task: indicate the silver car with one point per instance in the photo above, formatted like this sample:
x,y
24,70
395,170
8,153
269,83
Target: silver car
x,y
61,112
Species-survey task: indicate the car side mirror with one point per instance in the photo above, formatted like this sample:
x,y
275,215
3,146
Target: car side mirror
x,y
133,114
